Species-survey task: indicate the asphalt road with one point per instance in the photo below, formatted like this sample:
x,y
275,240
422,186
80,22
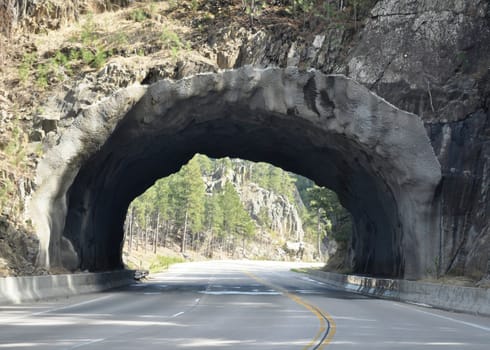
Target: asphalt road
x,y
235,305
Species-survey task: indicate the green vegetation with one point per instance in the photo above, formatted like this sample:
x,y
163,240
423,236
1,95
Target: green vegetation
x,y
171,40
178,208
300,270
13,166
119,39
330,218
88,34
194,5
95,58
26,65
161,263
60,65
43,71
139,15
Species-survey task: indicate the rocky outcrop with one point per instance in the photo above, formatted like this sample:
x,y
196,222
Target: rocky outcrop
x,y
270,210
18,251
282,216
432,58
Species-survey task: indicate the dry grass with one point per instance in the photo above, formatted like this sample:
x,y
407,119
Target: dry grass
x,y
65,45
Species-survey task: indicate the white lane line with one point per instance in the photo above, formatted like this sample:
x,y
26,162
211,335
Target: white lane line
x,y
177,314
72,305
87,343
419,304
313,281
235,292
307,291
469,324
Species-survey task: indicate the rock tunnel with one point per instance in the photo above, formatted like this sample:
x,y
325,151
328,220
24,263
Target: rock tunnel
x,y
376,157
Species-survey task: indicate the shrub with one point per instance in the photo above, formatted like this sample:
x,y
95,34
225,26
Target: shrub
x,y
43,71
26,65
138,15
171,41
88,34
100,58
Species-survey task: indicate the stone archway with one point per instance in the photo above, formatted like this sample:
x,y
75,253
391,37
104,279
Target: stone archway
x,y
326,127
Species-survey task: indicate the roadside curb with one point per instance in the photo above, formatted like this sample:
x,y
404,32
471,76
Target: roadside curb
x,y
442,296
15,290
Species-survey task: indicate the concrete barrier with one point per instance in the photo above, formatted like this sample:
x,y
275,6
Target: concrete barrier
x,y
20,289
442,296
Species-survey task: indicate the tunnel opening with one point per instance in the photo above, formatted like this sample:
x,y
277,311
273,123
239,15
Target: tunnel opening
x,y
376,157
235,209
368,198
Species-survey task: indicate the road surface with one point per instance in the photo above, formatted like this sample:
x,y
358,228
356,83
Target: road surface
x,y
235,305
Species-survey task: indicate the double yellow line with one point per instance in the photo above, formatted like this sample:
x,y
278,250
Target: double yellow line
x,y
327,325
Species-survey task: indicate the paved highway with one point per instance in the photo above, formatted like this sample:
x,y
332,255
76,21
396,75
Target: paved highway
x,y
235,305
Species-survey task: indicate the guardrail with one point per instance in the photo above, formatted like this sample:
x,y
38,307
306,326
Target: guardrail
x,y
20,289
442,296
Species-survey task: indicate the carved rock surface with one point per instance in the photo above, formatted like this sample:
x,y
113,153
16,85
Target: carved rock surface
x,y
377,157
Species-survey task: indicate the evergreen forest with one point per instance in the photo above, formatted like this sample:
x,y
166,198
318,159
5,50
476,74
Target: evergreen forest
x,y
232,208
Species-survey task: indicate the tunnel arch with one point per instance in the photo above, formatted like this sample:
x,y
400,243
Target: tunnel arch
x,y
376,157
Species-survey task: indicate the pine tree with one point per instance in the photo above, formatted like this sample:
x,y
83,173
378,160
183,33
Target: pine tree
x,y
190,192
237,222
331,217
214,220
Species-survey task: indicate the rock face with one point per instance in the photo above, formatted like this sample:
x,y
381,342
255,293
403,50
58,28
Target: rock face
x,y
18,251
282,215
431,58
376,157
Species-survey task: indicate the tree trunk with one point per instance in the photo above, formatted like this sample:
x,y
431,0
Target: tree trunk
x,y
137,234
182,249
165,233
130,229
146,235
155,240
210,244
319,231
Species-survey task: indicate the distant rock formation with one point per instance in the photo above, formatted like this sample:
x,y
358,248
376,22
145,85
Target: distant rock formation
x,y
281,216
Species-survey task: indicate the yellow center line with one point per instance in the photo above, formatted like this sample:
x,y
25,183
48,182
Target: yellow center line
x,y
322,316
